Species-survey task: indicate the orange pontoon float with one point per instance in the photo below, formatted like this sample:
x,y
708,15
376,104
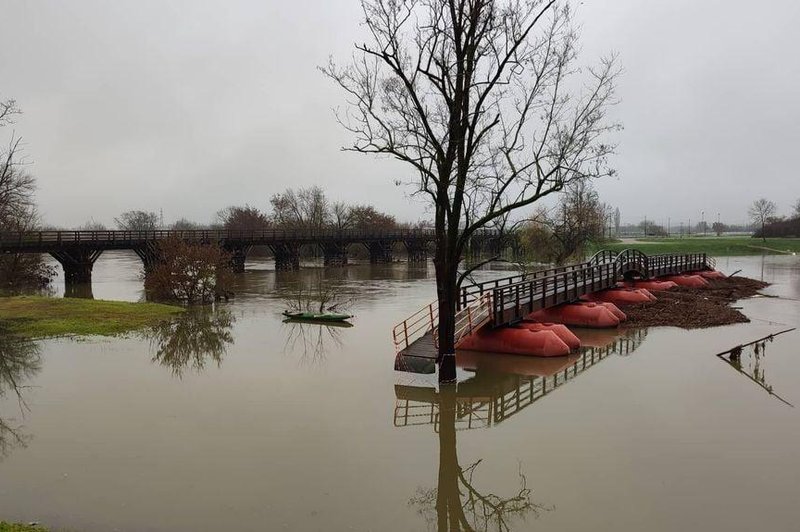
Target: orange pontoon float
x,y
591,315
516,341
561,331
658,286
621,296
692,281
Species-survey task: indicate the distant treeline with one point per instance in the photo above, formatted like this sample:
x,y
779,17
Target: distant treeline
x,y
301,209
780,228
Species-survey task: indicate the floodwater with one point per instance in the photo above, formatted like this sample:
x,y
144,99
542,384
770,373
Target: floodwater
x,y
234,420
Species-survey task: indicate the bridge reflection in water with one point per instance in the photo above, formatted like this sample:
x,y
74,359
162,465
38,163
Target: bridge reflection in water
x,y
500,387
503,385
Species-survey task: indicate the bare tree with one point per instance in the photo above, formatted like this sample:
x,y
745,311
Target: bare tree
x,y
364,217
16,185
480,99
245,218
93,225
796,209
184,224
189,272
306,208
577,220
8,109
341,216
137,221
18,211
760,213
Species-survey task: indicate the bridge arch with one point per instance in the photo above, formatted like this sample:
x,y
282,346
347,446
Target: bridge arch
x,y
602,257
631,263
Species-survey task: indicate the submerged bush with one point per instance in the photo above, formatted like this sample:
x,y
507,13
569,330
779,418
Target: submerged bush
x,y
190,272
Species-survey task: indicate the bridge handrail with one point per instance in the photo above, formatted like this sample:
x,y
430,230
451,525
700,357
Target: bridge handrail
x,y
629,256
468,292
674,262
63,237
426,320
543,285
473,316
473,291
602,256
416,326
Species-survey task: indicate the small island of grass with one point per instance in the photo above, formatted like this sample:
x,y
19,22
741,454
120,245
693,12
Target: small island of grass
x,y
42,317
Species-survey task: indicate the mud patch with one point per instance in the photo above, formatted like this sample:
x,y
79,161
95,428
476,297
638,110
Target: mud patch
x,y
694,308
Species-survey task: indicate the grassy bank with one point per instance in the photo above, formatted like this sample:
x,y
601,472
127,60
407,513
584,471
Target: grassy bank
x,y
40,317
715,246
16,527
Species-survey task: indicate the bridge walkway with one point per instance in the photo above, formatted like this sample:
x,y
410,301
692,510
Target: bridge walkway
x,y
502,302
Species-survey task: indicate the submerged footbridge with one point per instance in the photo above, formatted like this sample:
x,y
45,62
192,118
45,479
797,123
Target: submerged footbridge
x,y
505,301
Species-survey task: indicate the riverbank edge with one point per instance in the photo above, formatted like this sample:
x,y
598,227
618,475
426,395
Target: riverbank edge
x,y
19,527
712,245
39,317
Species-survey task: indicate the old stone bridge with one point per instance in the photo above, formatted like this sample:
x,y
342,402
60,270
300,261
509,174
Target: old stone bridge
x,y
77,251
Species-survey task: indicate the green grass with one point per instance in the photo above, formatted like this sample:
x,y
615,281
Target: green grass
x,y
41,317
17,527
716,246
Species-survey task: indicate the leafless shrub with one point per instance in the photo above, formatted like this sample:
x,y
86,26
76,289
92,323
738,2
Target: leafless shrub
x,y
190,272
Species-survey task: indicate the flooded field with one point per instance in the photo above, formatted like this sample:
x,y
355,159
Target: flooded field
x,y
235,420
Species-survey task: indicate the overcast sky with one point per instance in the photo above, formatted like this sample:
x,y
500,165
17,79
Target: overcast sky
x,y
192,106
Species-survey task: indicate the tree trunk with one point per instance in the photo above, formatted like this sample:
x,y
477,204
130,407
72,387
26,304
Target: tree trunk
x,y
447,295
449,510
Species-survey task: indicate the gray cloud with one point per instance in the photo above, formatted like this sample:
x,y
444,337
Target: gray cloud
x,y
191,106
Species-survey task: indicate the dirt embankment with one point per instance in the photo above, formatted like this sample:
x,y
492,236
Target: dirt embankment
x,y
694,308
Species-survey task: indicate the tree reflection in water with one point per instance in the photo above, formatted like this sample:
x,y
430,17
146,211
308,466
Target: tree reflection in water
x,y
191,340
312,340
452,508
20,360
500,387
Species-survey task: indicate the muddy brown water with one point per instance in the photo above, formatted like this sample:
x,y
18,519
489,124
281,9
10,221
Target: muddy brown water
x,y
234,420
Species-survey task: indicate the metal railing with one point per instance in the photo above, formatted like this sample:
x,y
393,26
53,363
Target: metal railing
x,y
41,238
426,321
473,291
514,302
422,322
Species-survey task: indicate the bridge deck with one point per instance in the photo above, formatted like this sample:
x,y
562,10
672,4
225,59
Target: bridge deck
x,y
46,241
513,298
424,347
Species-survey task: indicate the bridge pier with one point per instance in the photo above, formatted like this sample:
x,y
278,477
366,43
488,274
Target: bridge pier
x,y
417,250
82,291
379,251
77,264
150,254
334,253
238,256
287,256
